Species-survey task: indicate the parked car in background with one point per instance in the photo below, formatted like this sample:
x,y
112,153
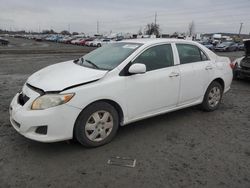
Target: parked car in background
x,y
66,39
241,47
4,41
118,38
54,38
83,42
226,47
89,42
62,39
241,66
80,41
102,89
77,40
100,42
38,38
207,44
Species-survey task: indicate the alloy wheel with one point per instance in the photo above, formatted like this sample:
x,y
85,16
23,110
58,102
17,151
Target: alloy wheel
x,y
214,97
99,125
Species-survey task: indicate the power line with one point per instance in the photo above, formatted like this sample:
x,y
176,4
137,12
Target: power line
x,y
182,11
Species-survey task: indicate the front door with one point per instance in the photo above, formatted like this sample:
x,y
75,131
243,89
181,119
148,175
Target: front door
x,y
158,88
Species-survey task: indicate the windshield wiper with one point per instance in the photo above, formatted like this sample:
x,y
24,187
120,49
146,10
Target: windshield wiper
x,y
90,62
76,60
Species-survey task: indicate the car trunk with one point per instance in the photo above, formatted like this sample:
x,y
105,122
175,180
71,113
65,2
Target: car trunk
x,y
245,62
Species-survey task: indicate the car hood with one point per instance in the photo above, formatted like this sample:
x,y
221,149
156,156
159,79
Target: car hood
x,y
60,76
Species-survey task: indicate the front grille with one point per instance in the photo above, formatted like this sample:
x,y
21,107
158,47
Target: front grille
x,y
22,99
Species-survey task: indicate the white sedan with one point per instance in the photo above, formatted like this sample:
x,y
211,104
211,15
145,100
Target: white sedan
x,y
99,42
89,98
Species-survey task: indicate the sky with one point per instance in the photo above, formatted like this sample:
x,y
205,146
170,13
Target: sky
x,y
115,16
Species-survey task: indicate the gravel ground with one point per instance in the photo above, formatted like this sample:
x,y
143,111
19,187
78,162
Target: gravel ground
x,y
186,148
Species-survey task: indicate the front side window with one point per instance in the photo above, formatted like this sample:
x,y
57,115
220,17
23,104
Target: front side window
x,y
156,57
190,53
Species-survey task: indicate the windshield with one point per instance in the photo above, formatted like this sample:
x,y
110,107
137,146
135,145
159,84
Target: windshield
x,y
110,55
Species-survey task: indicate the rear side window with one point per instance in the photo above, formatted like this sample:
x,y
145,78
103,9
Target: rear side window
x,y
156,57
190,53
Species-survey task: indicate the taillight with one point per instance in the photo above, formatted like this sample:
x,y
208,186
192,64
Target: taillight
x,y
232,65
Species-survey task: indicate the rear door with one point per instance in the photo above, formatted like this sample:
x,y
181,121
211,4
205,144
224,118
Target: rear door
x,y
195,68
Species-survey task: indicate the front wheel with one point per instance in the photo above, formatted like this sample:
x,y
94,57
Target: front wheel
x,y
212,98
96,125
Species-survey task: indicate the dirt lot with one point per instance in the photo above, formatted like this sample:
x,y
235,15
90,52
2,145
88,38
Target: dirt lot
x,y
187,148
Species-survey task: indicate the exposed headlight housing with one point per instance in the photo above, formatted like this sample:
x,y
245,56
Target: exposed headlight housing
x,y
51,100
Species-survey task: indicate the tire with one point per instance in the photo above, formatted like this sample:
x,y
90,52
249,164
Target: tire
x,y
96,125
212,103
99,45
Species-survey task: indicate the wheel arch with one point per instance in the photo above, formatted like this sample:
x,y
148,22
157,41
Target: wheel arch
x,y
111,102
220,81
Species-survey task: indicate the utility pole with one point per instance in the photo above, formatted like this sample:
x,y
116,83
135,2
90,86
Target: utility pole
x,y
155,17
97,27
240,28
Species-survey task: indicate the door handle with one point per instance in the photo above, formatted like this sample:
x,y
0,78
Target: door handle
x,y
174,74
209,67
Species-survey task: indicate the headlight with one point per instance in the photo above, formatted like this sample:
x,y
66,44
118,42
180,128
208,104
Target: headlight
x,y
50,100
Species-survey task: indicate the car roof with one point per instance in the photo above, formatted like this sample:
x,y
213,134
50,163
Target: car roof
x,y
149,41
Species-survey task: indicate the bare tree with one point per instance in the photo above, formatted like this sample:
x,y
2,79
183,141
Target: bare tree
x,y
49,31
152,28
65,32
191,28
75,33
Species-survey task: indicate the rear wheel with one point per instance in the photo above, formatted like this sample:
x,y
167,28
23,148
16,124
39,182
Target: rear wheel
x,y
212,98
96,125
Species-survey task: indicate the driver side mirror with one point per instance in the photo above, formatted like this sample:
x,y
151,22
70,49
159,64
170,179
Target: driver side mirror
x,y
137,68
